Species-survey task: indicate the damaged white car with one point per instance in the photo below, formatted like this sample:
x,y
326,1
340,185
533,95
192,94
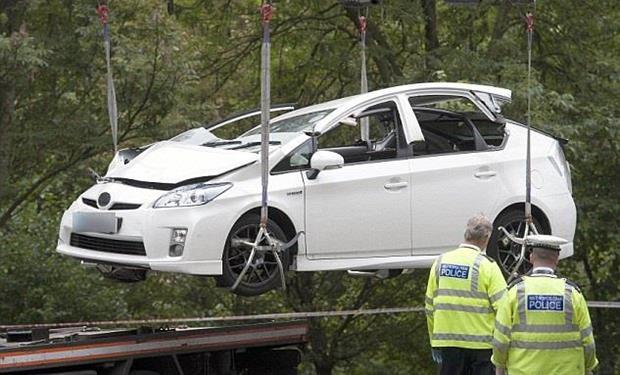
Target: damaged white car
x,y
379,181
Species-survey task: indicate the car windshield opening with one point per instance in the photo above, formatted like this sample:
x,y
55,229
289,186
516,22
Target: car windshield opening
x,y
296,124
228,136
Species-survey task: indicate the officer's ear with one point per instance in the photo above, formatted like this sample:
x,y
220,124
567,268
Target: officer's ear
x,y
556,260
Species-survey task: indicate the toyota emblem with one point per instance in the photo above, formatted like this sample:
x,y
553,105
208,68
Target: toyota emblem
x,y
104,200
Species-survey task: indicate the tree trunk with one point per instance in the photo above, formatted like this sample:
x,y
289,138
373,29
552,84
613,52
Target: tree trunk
x,y
14,11
431,39
7,110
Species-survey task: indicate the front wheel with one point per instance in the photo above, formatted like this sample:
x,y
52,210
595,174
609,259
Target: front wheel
x,y
502,249
263,274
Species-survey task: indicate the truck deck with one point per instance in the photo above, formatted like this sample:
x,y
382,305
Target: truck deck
x,y
272,348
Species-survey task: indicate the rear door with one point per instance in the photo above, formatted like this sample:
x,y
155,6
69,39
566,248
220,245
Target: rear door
x,y
454,176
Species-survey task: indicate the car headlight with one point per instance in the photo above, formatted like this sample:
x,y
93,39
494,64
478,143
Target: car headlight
x,y
191,195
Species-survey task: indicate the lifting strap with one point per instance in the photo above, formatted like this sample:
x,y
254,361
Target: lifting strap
x,y
103,11
264,241
529,20
266,12
362,24
529,223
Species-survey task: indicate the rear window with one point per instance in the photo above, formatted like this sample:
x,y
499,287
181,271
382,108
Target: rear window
x,y
492,132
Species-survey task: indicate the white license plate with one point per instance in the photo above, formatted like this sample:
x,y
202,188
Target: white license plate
x,y
98,222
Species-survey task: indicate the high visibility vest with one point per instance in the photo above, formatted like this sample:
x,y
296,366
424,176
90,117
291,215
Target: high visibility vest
x,y
463,293
543,327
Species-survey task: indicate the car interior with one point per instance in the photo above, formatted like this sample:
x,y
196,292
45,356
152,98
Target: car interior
x,y
383,120
444,132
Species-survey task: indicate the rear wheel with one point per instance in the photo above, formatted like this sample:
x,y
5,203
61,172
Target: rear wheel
x,y
502,249
263,274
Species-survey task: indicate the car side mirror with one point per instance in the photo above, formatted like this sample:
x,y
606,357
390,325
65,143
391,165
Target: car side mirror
x,y
322,160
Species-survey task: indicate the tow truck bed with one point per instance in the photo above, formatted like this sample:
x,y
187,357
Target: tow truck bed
x,y
258,348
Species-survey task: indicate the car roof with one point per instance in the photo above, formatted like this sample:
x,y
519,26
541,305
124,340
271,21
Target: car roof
x,y
410,88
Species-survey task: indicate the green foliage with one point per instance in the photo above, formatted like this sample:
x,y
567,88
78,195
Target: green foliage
x,y
199,64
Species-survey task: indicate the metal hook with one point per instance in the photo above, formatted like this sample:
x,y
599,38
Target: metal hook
x,y
520,241
274,246
259,238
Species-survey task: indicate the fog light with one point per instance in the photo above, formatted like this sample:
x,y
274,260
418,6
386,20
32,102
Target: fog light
x,y
177,242
176,250
179,235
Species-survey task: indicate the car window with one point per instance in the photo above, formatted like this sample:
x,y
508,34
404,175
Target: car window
x,y
237,128
493,133
340,136
294,124
298,159
447,124
449,103
346,138
381,125
444,132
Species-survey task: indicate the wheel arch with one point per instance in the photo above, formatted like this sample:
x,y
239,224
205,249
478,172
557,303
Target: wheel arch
x,y
281,218
537,212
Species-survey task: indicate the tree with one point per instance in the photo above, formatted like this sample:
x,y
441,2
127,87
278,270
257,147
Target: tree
x,y
176,67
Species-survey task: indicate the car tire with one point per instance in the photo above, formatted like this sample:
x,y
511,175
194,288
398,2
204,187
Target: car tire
x,y
504,251
264,275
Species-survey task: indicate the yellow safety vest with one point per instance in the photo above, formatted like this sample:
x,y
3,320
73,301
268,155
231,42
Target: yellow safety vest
x,y
543,327
463,293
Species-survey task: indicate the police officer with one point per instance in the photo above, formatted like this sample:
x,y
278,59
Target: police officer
x,y
543,325
463,293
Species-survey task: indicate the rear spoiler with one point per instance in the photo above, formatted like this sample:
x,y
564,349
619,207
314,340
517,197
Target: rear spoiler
x,y
563,141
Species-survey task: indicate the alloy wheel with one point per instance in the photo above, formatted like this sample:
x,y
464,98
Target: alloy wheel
x,y
264,266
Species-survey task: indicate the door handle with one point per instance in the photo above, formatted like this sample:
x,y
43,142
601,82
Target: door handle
x,y
485,174
396,185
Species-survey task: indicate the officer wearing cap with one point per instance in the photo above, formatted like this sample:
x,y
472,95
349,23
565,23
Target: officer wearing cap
x,y
462,296
543,325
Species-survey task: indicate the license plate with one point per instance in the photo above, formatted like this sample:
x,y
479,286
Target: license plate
x,y
98,222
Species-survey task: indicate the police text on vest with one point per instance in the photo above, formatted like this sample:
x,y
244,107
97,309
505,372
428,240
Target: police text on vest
x,y
454,270
545,303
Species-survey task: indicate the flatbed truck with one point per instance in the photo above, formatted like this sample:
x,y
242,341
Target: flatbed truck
x,y
264,348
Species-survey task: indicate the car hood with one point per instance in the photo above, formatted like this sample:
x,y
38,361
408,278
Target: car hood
x,y
173,162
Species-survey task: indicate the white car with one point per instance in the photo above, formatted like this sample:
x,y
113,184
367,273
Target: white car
x,y
379,181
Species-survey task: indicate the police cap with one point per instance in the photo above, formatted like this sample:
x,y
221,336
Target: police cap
x,y
544,241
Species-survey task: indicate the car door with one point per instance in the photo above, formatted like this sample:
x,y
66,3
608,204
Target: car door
x,y
454,176
448,190
364,208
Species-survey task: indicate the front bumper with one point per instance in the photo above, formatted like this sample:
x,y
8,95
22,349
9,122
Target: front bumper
x,y
207,230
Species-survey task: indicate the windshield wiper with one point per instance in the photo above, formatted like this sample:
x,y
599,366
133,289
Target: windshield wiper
x,y
252,144
221,143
